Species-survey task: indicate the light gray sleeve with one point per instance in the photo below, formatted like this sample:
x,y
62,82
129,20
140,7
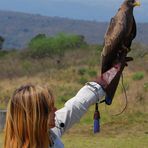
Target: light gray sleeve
x,y
76,107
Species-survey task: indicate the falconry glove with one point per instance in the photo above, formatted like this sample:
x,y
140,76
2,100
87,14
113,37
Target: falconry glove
x,y
109,80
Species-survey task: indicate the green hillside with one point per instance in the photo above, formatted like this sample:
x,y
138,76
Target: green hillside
x,y
65,74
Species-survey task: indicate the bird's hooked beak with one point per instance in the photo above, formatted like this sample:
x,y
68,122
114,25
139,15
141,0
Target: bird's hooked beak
x,y
136,3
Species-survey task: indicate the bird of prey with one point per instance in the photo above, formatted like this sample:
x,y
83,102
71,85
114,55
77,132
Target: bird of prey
x,y
119,35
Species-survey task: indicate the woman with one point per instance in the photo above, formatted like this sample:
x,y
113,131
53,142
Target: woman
x,y
33,122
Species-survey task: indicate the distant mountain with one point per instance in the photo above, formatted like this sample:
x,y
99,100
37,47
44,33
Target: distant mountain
x,y
18,28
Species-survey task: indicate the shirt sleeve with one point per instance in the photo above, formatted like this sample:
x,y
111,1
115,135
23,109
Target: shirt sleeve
x,y
77,106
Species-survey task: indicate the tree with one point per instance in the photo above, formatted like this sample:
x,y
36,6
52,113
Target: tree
x,y
1,42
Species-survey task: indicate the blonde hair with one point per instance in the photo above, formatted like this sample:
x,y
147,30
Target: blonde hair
x,y
27,118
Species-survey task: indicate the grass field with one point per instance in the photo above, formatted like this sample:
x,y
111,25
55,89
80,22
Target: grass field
x,y
128,130
120,133
101,142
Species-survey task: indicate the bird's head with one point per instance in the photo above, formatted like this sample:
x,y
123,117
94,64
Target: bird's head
x,y
132,3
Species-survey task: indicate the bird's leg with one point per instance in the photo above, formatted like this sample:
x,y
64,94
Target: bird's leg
x,y
121,53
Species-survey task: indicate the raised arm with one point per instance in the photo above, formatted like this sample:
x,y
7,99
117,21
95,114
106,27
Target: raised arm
x,y
77,106
88,95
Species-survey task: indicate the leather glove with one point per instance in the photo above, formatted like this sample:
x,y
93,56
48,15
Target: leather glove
x,y
110,79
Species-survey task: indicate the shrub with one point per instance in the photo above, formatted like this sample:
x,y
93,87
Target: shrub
x,y
41,46
1,42
3,53
92,73
63,99
138,76
82,80
146,86
81,71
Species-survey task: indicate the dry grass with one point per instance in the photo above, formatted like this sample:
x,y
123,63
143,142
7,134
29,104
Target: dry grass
x,y
127,130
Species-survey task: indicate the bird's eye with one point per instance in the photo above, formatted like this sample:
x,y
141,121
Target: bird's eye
x,y
130,3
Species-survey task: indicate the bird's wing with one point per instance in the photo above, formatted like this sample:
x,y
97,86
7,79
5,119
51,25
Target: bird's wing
x,y
115,32
132,35
113,40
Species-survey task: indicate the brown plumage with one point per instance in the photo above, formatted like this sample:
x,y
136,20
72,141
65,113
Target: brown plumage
x,y
119,35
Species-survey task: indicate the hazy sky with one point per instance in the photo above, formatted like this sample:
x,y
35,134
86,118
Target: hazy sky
x,y
99,10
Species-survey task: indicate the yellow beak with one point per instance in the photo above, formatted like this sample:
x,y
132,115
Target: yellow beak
x,y
137,3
